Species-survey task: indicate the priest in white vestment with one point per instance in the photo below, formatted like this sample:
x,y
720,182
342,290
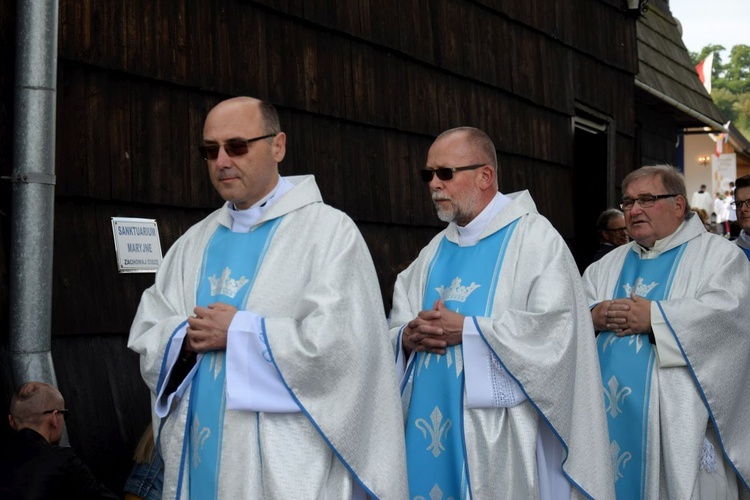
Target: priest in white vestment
x,y
672,309
501,389
263,339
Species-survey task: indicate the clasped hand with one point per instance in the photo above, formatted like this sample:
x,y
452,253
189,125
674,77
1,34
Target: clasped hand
x,y
207,330
627,316
433,330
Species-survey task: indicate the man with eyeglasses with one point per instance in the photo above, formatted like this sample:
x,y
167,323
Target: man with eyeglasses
x,y
671,309
501,384
741,207
612,232
32,465
264,338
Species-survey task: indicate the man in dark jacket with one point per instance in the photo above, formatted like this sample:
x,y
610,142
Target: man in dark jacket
x,y
33,466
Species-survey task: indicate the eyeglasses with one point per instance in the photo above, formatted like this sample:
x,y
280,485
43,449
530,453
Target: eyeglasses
x,y
738,204
616,230
233,148
644,201
445,173
64,412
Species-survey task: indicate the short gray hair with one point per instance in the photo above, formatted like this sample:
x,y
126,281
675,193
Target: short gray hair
x,y
602,222
479,140
673,181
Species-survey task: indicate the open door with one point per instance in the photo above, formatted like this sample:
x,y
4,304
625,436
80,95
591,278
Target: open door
x,y
590,185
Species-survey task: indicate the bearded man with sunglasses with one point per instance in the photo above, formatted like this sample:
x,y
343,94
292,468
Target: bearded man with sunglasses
x,y
32,465
671,309
502,383
264,340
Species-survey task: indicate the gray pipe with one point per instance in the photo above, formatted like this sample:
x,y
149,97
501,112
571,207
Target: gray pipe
x,y
33,192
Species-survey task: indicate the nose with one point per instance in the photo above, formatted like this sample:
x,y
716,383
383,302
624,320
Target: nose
x,y
435,184
223,160
637,208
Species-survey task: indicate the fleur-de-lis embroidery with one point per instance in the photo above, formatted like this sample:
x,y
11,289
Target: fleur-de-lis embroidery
x,y
435,494
611,340
436,431
637,340
198,437
615,396
451,359
618,460
215,363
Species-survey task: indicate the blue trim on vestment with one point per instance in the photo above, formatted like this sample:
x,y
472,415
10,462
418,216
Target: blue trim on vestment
x,y
162,371
309,417
467,486
703,397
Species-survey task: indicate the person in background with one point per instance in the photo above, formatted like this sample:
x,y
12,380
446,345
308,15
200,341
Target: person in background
x,y
33,466
502,387
741,207
703,216
671,309
612,232
147,476
702,199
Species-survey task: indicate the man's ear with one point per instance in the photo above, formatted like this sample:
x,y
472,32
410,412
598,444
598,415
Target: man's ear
x,y
279,147
12,422
681,205
487,180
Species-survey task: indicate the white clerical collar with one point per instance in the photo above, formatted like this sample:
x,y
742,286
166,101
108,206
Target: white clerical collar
x,y
744,239
243,220
470,233
659,245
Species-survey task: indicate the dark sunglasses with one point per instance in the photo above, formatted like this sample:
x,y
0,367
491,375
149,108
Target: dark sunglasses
x,y
445,173
233,148
63,412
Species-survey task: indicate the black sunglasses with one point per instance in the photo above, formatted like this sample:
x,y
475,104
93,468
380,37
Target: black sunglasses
x,y
445,173
64,412
233,148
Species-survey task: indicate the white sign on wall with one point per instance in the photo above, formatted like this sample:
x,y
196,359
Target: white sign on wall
x,y
136,244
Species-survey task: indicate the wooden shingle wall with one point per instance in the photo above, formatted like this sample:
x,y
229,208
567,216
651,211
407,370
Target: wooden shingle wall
x,y
362,89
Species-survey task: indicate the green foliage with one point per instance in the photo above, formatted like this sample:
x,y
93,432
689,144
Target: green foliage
x,y
730,83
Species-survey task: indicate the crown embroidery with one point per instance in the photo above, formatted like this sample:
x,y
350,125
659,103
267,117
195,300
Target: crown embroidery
x,y
226,285
641,290
456,291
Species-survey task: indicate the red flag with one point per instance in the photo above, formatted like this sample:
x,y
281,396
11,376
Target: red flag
x,y
704,71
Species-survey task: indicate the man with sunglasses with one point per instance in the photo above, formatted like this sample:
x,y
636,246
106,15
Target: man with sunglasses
x,y
671,309
501,384
263,339
32,465
741,207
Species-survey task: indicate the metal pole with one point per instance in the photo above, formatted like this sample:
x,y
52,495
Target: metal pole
x,y
33,192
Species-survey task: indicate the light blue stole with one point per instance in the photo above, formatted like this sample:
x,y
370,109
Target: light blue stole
x,y
228,270
627,365
465,278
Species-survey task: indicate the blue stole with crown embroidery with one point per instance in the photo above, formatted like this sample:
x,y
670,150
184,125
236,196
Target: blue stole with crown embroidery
x,y
228,270
626,366
465,278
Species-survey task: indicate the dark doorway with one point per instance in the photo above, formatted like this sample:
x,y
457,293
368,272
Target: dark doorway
x,y
590,187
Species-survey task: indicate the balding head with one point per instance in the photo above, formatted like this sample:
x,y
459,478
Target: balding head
x,y
31,400
479,142
264,111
